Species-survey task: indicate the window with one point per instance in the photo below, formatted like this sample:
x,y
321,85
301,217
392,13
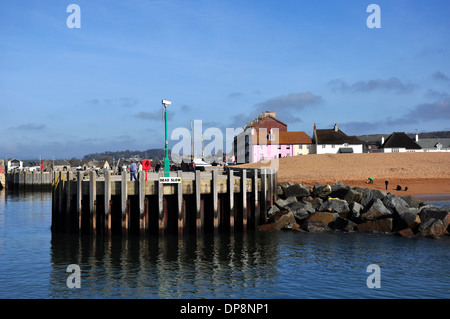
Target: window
x,y
395,150
271,137
332,146
279,147
288,147
323,146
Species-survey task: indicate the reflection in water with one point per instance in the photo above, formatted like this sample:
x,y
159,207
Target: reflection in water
x,y
216,266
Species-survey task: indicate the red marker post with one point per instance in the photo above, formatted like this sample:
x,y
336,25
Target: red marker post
x,y
146,166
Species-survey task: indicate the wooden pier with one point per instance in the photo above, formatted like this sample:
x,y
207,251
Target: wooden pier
x,y
200,202
24,180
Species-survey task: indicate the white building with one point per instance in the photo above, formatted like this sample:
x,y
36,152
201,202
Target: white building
x,y
399,142
334,141
13,164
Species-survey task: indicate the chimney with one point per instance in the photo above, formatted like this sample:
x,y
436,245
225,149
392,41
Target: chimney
x,y
314,126
417,137
335,127
382,140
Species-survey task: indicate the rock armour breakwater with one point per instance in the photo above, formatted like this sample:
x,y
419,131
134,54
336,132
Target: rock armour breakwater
x,y
340,207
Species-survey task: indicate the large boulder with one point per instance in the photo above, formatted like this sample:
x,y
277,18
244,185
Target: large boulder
x,y
280,220
297,190
355,211
353,196
432,228
412,201
431,212
376,210
281,187
339,190
376,226
272,210
371,195
407,232
314,201
406,218
282,203
301,210
315,226
392,202
343,224
334,205
324,217
321,191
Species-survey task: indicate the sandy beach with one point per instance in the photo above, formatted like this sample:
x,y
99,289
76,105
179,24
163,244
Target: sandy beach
x,y
423,173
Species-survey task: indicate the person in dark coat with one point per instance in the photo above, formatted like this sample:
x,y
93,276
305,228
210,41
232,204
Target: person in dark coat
x,y
387,183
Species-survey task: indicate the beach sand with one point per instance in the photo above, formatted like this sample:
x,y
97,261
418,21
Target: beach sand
x,y
423,173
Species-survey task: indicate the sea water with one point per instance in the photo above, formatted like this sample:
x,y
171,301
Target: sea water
x,y
258,265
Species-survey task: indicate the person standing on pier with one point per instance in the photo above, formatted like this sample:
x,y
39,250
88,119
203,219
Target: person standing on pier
x,y
133,168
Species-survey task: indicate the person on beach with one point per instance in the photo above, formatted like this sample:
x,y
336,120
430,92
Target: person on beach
x,y
387,183
133,168
370,181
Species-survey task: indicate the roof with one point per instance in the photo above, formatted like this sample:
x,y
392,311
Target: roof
x,y
331,136
290,138
432,142
256,123
400,140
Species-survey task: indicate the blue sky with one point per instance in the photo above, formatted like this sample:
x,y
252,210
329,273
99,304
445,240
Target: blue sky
x,y
66,92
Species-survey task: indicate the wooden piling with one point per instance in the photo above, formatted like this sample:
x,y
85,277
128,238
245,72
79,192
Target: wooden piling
x,y
161,212
124,202
215,199
230,189
107,203
255,200
79,198
245,212
92,202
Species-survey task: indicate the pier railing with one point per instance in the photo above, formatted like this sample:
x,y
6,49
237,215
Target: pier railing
x,y
211,201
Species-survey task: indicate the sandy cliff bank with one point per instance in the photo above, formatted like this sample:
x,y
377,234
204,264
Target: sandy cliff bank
x,y
423,173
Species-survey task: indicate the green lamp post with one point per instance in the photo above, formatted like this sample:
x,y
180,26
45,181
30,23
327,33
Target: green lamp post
x,y
166,159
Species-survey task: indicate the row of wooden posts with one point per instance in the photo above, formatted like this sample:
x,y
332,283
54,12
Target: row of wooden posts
x,y
212,201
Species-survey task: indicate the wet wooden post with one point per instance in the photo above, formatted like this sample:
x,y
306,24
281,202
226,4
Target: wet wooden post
x,y
55,213
245,215
161,212
79,197
270,188
256,211
141,196
198,203
68,195
263,200
215,198
60,199
107,226
181,212
124,202
230,188
93,201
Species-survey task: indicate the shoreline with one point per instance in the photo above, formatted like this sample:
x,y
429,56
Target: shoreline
x,y
428,187
424,173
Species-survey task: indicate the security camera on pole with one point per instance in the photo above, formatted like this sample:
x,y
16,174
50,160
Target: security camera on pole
x,y
166,159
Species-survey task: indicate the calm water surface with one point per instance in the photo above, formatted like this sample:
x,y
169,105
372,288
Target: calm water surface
x,y
281,264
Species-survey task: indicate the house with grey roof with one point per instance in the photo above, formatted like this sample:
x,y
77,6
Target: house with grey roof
x,y
433,144
399,142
